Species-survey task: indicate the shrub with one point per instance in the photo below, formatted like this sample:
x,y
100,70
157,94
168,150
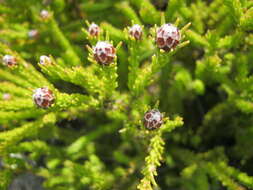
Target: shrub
x,y
103,106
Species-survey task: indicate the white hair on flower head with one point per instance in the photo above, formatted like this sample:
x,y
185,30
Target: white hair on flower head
x,y
9,60
44,60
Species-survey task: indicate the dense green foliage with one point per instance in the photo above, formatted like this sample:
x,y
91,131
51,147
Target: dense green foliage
x,y
93,136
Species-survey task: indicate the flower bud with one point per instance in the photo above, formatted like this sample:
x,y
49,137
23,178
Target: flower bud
x,y
94,30
104,53
167,37
33,34
136,31
153,119
43,97
45,60
6,96
44,14
9,60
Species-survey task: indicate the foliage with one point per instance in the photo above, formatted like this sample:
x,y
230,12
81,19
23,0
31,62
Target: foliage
x,y
93,136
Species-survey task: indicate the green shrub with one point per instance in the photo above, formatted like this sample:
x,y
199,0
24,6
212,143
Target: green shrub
x,y
92,135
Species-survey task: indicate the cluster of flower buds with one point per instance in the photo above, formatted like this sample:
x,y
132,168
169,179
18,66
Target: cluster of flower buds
x,y
32,34
136,31
9,60
43,97
45,60
153,119
94,30
104,53
167,37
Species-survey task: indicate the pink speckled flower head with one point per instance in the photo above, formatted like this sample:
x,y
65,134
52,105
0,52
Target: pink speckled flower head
x,y
104,53
44,14
94,30
44,60
9,60
136,31
33,34
6,96
167,37
43,97
153,119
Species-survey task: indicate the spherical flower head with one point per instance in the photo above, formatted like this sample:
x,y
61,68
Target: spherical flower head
x,y
9,60
33,34
136,31
45,60
94,30
43,97
167,37
6,96
104,53
44,14
153,119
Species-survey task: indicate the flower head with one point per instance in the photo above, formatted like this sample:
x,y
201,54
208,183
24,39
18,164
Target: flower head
x,y
104,53
33,34
43,97
44,14
136,31
153,119
9,60
94,30
167,37
44,60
